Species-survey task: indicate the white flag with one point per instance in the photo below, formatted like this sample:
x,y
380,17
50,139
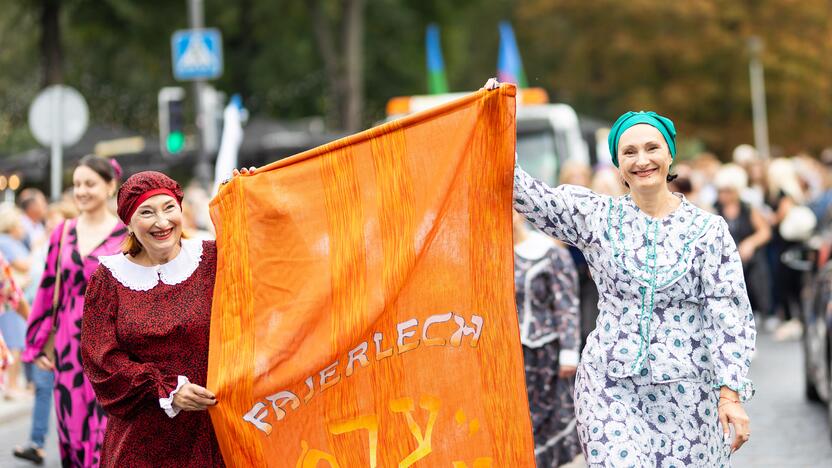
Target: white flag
x,y
232,138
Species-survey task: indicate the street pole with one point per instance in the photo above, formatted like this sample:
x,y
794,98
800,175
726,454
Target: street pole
x,y
57,150
196,20
758,97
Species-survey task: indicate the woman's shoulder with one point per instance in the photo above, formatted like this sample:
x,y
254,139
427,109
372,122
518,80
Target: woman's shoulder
x,y
101,278
710,227
207,253
209,248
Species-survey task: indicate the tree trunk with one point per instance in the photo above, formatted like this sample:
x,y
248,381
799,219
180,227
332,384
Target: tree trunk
x,y
344,66
50,42
353,31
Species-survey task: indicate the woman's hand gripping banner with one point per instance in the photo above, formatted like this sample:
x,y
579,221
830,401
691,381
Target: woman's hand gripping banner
x,y
364,308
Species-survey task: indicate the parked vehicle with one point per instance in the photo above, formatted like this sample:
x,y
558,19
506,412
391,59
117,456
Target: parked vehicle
x,y
817,320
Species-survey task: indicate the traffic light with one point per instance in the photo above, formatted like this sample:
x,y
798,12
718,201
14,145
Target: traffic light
x,y
172,120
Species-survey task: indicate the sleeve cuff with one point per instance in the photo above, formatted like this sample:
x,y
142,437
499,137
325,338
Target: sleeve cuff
x,y
745,390
568,357
167,403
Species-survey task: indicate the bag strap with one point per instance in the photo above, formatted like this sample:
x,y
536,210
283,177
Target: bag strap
x,y
58,274
48,348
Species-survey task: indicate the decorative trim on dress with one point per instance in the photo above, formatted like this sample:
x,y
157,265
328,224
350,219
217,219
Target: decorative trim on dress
x,y
650,276
535,247
167,403
143,278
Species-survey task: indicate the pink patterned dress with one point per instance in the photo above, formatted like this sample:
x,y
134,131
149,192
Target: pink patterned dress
x,y
81,421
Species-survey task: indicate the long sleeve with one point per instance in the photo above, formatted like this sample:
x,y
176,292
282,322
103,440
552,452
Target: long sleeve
x,y
41,317
122,385
566,305
566,212
728,319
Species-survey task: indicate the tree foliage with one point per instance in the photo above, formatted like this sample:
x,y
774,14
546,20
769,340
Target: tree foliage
x,y
686,59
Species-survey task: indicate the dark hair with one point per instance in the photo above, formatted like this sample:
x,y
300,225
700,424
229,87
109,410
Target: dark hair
x,y
683,184
670,178
28,196
100,166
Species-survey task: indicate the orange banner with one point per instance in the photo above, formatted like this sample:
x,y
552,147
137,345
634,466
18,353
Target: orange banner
x,y
364,309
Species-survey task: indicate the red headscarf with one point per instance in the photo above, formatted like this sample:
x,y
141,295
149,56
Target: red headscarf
x,y
139,187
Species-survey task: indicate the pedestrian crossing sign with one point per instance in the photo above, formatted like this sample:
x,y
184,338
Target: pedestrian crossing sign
x,y
197,54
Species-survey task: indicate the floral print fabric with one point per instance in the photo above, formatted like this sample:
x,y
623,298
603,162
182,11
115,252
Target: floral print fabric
x,y
547,303
674,317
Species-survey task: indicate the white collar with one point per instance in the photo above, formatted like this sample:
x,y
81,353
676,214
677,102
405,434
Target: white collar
x,y
144,278
534,247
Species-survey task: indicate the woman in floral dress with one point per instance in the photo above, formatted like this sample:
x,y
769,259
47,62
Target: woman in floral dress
x,y
546,282
662,378
96,232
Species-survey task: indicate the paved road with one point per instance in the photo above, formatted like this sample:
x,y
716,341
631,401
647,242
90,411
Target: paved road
x,y
15,431
788,432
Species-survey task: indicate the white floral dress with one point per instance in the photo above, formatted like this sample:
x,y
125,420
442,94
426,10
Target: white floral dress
x,y
674,325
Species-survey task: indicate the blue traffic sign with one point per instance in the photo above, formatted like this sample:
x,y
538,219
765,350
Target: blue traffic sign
x,y
196,54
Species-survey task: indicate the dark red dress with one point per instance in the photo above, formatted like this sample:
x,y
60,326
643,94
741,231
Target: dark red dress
x,y
135,344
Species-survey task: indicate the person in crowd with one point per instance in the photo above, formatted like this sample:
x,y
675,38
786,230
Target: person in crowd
x,y
13,326
607,181
547,303
755,194
195,213
11,299
747,157
36,216
750,232
34,206
662,378
577,173
59,212
784,195
6,359
706,164
822,205
821,202
145,334
52,339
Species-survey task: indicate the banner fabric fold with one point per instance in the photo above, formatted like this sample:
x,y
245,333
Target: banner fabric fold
x,y
364,310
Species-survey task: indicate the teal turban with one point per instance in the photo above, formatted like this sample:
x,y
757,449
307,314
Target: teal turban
x,y
627,120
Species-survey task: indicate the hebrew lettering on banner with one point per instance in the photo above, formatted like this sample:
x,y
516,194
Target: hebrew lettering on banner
x,y
364,308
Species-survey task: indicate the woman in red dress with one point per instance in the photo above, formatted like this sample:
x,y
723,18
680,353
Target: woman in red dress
x,y
145,333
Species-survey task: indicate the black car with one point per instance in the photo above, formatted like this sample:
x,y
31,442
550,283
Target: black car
x,y
817,321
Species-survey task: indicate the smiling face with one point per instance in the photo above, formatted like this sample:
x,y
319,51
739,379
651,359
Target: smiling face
x,y
157,224
644,158
90,190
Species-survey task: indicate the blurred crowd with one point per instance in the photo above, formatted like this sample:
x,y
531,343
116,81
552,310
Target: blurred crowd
x,y
25,227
